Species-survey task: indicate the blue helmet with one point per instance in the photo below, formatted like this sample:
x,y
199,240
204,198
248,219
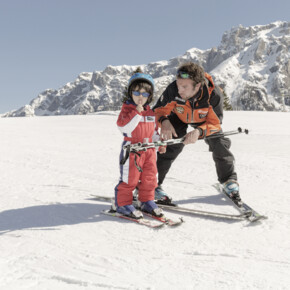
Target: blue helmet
x,y
142,77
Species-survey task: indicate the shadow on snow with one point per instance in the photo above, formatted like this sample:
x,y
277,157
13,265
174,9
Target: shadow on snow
x,y
46,217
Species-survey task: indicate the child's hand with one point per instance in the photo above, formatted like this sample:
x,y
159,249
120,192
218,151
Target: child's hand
x,y
162,149
139,108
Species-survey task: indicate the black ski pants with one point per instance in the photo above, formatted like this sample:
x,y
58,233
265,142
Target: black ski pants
x,y
222,156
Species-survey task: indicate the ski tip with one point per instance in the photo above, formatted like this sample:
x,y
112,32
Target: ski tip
x,y
256,218
179,222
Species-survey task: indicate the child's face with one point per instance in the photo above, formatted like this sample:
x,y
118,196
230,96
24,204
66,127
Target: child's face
x,y
139,100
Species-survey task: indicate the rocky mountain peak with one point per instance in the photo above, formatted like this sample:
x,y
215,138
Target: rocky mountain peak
x,y
251,64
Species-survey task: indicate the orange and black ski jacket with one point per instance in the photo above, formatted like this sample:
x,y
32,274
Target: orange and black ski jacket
x,y
203,111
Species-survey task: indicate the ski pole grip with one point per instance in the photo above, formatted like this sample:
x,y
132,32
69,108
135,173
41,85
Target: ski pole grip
x,y
240,130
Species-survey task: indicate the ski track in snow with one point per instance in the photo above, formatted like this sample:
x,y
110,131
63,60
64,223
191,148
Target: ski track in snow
x,y
53,236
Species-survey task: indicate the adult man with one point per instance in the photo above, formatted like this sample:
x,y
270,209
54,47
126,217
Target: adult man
x,y
194,100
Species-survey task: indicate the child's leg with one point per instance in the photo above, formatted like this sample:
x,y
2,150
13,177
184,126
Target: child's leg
x,y
148,178
128,181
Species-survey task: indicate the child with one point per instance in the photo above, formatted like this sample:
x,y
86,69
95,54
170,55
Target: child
x,y
137,123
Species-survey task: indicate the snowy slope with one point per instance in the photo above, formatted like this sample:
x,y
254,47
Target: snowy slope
x,y
52,235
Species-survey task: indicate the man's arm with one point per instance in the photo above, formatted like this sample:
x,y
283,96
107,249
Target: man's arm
x,y
162,109
165,104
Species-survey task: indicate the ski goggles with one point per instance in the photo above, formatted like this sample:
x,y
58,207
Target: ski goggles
x,y
183,75
145,94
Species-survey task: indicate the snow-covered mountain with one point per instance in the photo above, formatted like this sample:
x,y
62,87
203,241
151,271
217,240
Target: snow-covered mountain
x,y
251,64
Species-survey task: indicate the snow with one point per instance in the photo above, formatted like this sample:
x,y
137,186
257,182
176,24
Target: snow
x,y
53,236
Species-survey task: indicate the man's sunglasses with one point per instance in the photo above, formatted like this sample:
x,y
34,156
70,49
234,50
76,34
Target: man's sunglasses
x,y
183,75
145,94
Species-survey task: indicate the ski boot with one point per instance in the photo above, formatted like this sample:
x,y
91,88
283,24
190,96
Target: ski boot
x,y
231,188
130,211
151,207
161,196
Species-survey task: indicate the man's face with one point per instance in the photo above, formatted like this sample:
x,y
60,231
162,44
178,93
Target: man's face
x,y
187,88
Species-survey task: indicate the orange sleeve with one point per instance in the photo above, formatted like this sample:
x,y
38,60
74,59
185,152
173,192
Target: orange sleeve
x,y
212,124
163,111
166,103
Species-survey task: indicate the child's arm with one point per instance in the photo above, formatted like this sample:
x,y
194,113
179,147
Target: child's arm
x,y
128,120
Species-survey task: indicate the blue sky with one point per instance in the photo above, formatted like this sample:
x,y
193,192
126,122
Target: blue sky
x,y
47,43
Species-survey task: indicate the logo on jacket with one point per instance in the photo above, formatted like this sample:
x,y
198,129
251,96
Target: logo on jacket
x,y
150,119
179,110
202,114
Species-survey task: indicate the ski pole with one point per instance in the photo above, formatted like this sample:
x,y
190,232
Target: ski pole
x,y
227,133
144,146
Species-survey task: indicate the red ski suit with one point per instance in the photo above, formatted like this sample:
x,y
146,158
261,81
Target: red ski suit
x,y
136,127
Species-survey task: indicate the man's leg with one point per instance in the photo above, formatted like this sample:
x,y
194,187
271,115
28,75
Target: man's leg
x,y
224,162
223,158
164,161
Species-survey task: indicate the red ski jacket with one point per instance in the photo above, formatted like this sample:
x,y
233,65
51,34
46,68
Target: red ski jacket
x,y
137,127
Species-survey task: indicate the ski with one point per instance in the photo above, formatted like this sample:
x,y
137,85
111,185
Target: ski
x,y
178,208
165,220
251,214
142,221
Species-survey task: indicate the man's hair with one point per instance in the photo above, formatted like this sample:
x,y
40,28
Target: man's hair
x,y
195,71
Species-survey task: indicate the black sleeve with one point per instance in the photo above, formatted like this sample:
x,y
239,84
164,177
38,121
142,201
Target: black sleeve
x,y
167,96
216,101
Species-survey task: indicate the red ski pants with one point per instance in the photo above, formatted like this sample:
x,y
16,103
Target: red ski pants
x,y
131,178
